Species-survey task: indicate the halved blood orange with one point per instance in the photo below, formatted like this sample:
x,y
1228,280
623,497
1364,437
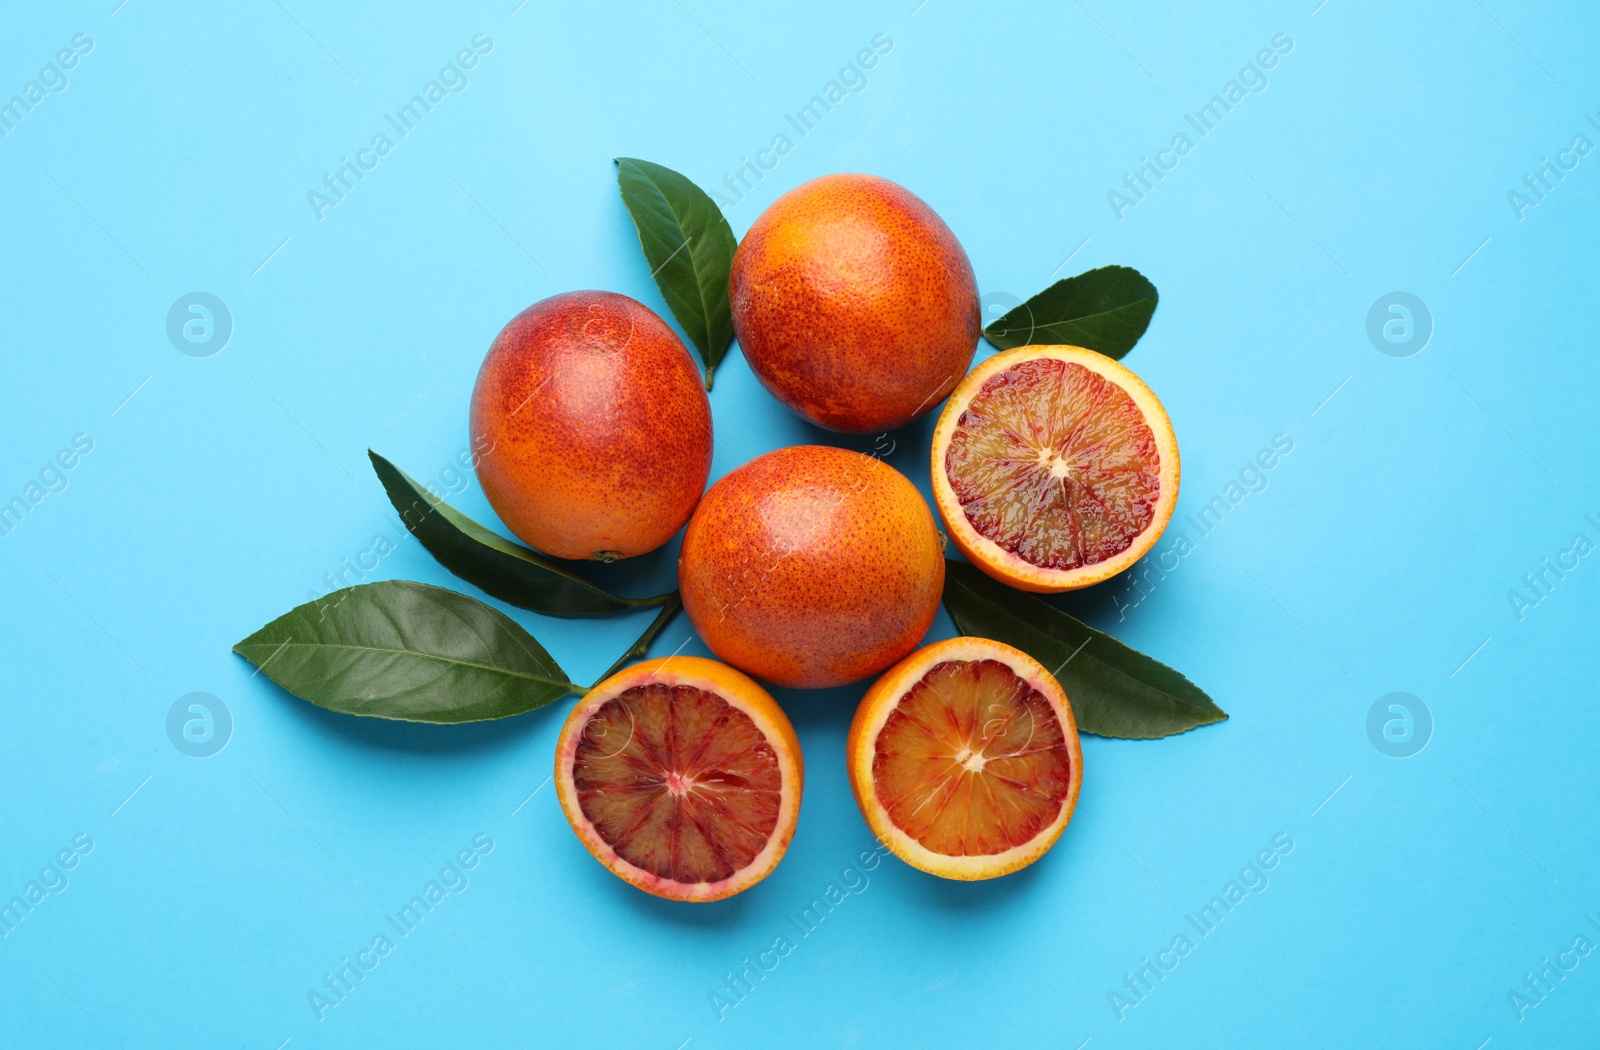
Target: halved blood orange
x,y
1054,467
964,758
682,776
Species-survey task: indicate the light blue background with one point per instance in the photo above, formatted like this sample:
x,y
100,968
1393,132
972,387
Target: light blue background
x,y
1379,558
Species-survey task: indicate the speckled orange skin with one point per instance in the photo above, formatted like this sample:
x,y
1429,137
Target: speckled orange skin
x,y
854,303
593,428
811,567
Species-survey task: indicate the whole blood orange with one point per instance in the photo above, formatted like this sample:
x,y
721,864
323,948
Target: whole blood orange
x,y
592,427
812,566
854,303
964,759
682,776
1054,467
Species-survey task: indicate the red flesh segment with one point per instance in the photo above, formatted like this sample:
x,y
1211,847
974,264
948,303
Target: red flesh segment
x,y
972,761
678,781
1055,464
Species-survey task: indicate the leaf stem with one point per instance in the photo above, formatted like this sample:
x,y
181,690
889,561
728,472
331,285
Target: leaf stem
x,y
641,645
655,599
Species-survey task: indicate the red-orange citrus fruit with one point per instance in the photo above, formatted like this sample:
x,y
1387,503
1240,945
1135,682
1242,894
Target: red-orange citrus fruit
x,y
965,760
682,776
854,303
591,427
812,566
1054,467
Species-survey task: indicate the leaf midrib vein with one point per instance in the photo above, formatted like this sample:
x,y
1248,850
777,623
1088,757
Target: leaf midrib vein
x,y
418,655
699,286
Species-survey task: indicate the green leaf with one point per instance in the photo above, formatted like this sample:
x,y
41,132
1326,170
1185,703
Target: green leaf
x,y
407,651
507,570
1105,310
1115,690
689,247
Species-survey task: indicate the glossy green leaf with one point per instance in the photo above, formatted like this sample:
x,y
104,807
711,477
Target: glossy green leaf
x,y
407,651
689,247
1115,690
1105,310
489,561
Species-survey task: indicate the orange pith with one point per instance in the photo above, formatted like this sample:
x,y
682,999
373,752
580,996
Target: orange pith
x,y
682,776
1054,467
972,760
1055,464
680,783
965,759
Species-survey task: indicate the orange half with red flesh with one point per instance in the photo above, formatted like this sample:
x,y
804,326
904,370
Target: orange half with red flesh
x,y
1054,467
682,776
964,759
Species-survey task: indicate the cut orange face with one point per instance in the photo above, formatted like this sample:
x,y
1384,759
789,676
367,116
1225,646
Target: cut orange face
x,y
682,776
1054,467
964,759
